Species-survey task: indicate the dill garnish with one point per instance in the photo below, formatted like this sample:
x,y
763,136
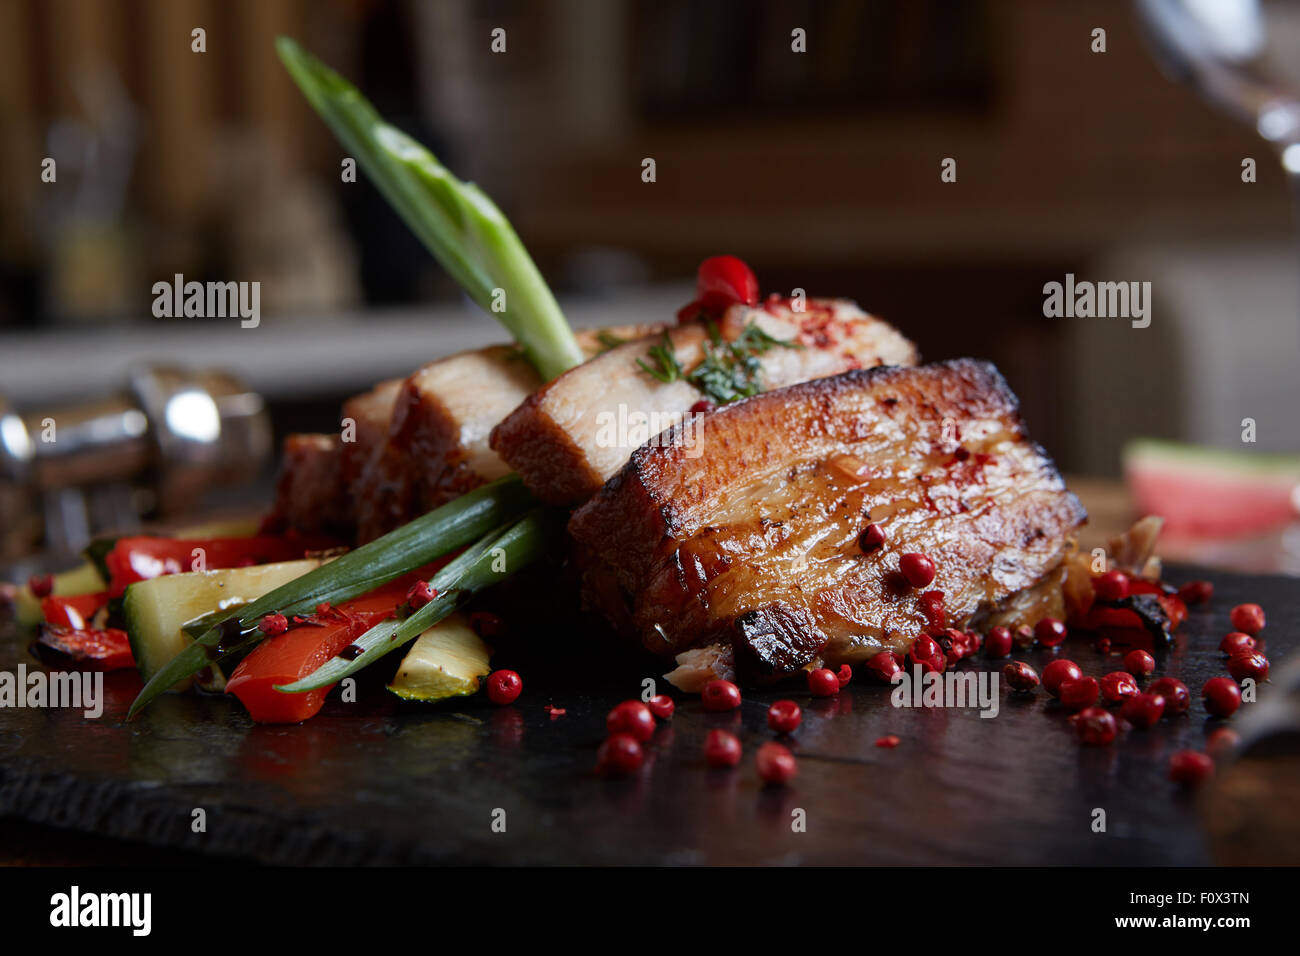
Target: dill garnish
x,y
666,367
729,370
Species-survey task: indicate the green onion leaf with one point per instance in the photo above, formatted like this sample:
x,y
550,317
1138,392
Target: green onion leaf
x,y
456,221
357,572
486,563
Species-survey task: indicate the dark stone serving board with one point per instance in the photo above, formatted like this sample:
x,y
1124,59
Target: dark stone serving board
x,y
381,781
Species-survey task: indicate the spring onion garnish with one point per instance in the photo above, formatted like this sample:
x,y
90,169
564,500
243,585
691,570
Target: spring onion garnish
x,y
358,572
458,223
484,564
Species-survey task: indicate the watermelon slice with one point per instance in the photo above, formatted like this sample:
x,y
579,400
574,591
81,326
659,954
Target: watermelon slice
x,y
1209,493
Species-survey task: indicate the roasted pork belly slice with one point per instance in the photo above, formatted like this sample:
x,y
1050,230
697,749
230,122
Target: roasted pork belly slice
x,y
318,476
436,445
310,493
753,546
575,433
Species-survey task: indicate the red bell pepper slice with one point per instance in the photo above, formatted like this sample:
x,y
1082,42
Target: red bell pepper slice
x,y
101,650
141,558
300,650
73,610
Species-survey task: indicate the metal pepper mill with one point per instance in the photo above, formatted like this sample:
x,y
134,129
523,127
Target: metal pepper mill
x,y
67,474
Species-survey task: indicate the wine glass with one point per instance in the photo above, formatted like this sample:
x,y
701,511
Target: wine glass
x,y
1243,56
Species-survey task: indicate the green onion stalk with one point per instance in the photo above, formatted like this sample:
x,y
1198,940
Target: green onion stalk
x,y
456,524
476,244
459,224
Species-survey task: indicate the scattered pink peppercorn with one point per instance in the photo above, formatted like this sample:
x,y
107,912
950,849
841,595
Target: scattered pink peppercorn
x,y
504,687
722,749
273,624
420,594
871,538
1196,592
1189,768
1253,665
1248,618
927,653
721,695
1118,685
888,742
1078,694
1059,671
631,717
931,605
662,706
1139,663
1237,643
1095,726
776,764
1049,632
1020,676
1144,710
917,568
1111,586
822,682
1222,696
997,643
702,406
487,625
884,665
1175,692
619,755
1222,741
784,716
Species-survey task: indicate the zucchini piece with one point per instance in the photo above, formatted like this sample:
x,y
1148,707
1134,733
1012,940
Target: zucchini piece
x,y
447,660
81,580
157,610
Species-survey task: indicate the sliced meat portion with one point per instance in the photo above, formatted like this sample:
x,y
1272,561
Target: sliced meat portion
x,y
573,434
310,493
753,545
435,447
317,484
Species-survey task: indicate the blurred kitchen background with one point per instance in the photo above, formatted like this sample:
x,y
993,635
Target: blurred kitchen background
x,y
820,169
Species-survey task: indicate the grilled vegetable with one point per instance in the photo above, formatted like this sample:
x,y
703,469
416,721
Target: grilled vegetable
x,y
447,660
351,575
156,610
81,580
486,563
304,647
141,558
106,649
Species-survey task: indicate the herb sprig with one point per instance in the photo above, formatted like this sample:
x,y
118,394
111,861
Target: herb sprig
x,y
729,371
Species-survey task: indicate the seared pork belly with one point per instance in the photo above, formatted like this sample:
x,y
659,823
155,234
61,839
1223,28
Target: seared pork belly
x,y
310,494
318,477
436,444
746,557
574,433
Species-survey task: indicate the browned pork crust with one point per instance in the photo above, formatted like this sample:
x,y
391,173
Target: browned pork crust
x,y
753,544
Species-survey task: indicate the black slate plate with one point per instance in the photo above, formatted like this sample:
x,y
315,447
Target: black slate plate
x,y
381,781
